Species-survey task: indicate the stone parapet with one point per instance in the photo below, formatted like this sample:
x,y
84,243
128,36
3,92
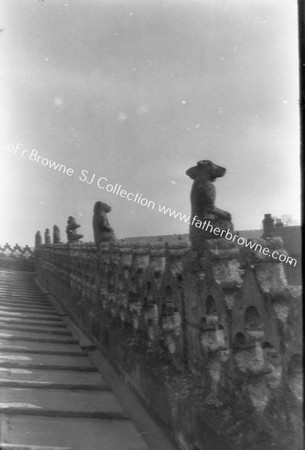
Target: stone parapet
x,y
211,342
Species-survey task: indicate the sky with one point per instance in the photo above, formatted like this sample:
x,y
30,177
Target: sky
x,y
136,92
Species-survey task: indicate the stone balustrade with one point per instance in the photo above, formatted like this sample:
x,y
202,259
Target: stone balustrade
x,y
210,342
16,257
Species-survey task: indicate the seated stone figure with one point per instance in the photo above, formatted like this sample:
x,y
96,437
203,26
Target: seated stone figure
x,y
38,239
56,235
205,217
47,238
71,228
102,231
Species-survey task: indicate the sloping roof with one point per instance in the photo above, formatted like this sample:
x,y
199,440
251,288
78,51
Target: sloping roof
x,y
291,237
248,234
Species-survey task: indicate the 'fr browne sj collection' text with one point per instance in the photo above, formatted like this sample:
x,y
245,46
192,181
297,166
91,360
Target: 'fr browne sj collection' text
x,y
101,182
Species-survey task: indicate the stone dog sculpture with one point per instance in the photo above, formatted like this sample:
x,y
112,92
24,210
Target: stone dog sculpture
x,y
102,231
71,228
56,235
38,239
47,238
205,217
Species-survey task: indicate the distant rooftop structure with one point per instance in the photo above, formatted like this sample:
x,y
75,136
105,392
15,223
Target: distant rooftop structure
x,y
291,235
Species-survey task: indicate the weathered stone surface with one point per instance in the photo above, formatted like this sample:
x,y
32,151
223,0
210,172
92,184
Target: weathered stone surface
x,y
102,230
210,340
56,235
38,239
205,216
47,237
71,228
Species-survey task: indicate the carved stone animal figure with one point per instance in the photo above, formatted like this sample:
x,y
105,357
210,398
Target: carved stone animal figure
x,y
71,228
203,190
203,207
47,238
38,239
102,230
56,235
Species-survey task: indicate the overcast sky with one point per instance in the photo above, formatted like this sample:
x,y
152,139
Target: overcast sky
x,y
138,92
